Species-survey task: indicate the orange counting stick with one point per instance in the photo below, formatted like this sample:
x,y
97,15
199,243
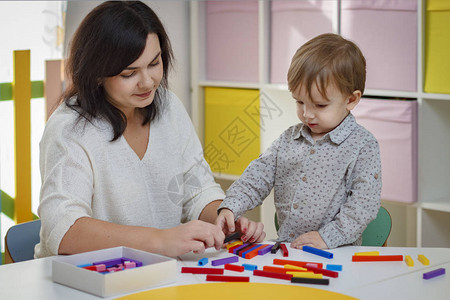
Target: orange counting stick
x,y
279,270
278,261
254,253
377,258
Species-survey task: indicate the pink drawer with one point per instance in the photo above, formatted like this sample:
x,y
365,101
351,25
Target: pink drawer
x,y
394,124
292,24
386,32
232,41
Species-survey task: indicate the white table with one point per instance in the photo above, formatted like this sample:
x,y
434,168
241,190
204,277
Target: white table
x,y
366,280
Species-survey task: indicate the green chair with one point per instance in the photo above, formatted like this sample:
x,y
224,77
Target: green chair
x,y
376,233
20,241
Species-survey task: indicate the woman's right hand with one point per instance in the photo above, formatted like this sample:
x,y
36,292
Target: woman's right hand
x,y
193,236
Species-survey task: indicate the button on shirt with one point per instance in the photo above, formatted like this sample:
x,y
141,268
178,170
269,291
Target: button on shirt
x,y
331,185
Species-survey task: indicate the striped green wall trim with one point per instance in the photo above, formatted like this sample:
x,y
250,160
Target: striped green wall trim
x,y
37,90
7,205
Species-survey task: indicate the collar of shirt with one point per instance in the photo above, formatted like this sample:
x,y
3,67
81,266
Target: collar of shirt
x,y
337,136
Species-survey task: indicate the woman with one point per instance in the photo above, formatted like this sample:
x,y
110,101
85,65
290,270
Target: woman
x,y
120,162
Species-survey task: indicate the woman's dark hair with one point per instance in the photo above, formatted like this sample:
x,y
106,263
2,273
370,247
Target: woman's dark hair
x,y
111,37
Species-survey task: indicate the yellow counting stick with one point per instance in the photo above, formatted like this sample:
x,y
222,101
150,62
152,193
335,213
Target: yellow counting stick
x,y
369,253
423,259
409,261
295,267
305,275
234,244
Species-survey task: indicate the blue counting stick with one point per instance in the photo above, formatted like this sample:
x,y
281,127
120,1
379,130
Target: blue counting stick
x,y
334,267
203,261
319,252
250,267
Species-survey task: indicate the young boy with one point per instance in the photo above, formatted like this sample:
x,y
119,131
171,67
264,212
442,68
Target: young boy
x,y
326,171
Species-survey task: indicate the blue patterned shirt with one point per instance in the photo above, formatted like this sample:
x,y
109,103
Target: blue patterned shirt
x,y
331,185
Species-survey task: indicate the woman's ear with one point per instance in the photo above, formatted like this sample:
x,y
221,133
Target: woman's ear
x,y
353,99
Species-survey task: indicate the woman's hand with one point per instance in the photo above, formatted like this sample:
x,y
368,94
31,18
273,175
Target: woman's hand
x,y
193,236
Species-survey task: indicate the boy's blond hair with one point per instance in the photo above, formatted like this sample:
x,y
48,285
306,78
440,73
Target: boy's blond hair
x,y
328,58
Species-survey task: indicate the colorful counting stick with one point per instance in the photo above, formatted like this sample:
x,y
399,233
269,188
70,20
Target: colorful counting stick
x,y
233,236
367,253
325,281
244,252
334,267
278,269
305,274
275,248
284,250
278,261
250,267
265,250
434,273
234,268
203,261
316,251
409,261
422,258
325,272
272,275
234,244
195,270
252,253
377,258
227,260
227,278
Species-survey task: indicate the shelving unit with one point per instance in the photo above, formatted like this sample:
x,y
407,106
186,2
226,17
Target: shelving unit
x,y
423,223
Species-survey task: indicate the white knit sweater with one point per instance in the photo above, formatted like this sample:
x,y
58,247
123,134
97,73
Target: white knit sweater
x,y
86,175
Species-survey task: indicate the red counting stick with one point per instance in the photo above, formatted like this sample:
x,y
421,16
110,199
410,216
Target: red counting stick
x,y
234,268
272,274
322,271
377,258
195,270
284,250
227,278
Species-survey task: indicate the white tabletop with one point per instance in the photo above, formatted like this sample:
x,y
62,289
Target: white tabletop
x,y
366,280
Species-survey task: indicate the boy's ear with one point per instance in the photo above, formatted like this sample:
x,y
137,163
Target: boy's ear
x,y
353,99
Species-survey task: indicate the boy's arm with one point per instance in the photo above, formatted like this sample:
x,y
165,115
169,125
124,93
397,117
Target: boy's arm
x,y
363,201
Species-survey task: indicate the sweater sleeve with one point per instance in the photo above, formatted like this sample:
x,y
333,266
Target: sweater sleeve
x,y
363,201
255,184
67,185
199,186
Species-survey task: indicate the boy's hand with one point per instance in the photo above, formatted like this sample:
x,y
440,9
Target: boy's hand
x,y
251,231
225,220
312,239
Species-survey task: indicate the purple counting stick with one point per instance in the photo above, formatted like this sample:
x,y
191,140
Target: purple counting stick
x,y
239,248
434,273
265,250
228,260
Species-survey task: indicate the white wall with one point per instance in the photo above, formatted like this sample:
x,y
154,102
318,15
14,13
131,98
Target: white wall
x,y
175,17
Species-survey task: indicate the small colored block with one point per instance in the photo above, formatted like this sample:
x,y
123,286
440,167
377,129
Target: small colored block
x,y
234,268
295,268
422,258
234,244
253,253
334,267
195,270
233,236
325,272
319,252
242,250
265,250
101,268
250,267
272,275
275,248
284,250
409,261
434,273
90,268
231,249
279,261
110,262
378,258
367,253
239,248
305,274
227,260
324,281
227,278
203,261
248,250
